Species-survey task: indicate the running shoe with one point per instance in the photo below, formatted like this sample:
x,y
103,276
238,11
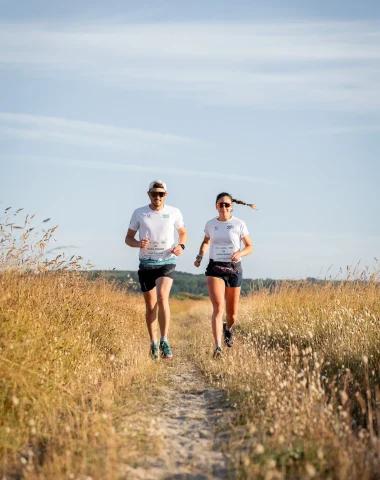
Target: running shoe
x,y
228,336
154,351
218,353
165,350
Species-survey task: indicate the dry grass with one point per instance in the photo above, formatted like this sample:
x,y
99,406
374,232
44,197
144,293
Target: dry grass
x,y
76,381
303,377
74,366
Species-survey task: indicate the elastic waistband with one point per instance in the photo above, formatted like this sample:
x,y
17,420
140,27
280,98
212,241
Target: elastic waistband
x,y
157,264
225,264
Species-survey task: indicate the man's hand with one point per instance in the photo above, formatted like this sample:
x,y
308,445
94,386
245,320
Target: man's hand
x,y
197,263
144,242
177,250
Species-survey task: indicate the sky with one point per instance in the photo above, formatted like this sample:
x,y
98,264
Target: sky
x,y
276,102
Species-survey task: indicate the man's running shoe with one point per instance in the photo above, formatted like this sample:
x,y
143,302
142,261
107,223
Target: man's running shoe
x,y
165,350
154,351
228,336
218,353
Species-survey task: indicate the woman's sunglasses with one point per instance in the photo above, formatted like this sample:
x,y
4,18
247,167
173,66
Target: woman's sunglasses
x,y
158,194
224,204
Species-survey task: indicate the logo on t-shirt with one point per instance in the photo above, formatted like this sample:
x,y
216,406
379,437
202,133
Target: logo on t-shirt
x,y
229,227
165,215
216,227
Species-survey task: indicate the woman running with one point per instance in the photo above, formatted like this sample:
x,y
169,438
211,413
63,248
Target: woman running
x,y
224,235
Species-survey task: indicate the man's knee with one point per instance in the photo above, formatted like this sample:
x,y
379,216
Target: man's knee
x,y
151,308
162,300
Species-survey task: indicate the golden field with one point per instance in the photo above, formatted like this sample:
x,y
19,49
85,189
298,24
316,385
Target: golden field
x,y
302,379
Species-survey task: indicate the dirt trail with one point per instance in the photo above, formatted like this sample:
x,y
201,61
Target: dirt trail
x,y
185,419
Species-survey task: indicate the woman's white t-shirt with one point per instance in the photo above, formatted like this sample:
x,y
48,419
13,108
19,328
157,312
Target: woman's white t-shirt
x,y
225,237
159,226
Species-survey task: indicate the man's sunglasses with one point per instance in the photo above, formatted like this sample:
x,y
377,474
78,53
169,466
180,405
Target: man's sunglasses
x,y
224,204
158,194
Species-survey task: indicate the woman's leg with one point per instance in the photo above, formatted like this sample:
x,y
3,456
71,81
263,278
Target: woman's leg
x,y
232,304
216,289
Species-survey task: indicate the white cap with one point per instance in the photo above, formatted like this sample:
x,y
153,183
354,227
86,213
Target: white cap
x,y
157,184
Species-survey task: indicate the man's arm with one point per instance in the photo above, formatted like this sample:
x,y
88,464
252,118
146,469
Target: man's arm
x,y
132,242
182,239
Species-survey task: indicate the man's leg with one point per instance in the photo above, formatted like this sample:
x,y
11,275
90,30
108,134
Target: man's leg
x,y
151,313
163,285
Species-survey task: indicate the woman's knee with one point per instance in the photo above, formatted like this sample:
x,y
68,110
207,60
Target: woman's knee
x,y
232,317
218,308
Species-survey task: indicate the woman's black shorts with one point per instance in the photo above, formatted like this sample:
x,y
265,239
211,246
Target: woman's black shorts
x,y
231,273
149,274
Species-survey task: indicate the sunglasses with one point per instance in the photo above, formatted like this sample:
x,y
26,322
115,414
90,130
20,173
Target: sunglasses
x,y
158,194
224,204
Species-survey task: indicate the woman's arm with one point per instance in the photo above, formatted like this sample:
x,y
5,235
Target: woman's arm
x,y
202,251
248,248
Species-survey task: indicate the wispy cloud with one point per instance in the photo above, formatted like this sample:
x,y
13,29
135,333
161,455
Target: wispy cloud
x,y
125,167
347,129
332,65
86,134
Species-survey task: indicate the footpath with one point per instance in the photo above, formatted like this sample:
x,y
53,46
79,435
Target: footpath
x,y
187,428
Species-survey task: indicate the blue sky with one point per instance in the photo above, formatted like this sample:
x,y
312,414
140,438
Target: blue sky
x,y
277,103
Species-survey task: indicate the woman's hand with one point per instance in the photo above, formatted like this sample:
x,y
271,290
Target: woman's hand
x,y
198,260
236,257
197,263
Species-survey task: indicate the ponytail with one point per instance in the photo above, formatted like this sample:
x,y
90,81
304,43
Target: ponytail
x,y
240,202
234,200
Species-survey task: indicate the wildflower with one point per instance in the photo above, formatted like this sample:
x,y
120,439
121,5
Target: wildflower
x,y
310,470
259,449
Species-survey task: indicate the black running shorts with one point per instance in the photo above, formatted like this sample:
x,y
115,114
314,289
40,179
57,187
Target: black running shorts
x,y
149,274
231,273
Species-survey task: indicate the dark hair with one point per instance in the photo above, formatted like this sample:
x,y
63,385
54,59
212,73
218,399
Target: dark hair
x,y
234,200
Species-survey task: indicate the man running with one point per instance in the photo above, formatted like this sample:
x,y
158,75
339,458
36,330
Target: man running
x,y
158,252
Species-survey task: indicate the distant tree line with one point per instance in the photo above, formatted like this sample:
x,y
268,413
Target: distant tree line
x,y
188,283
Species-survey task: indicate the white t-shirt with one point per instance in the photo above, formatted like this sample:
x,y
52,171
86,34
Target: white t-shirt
x,y
225,237
159,227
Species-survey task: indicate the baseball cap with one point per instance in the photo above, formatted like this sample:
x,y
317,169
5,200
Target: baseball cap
x,y
157,184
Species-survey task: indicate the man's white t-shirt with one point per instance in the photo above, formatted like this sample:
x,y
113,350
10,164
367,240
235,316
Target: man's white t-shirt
x,y
159,227
225,237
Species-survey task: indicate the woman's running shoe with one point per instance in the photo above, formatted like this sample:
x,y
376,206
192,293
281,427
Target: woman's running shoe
x,y
165,350
228,336
218,353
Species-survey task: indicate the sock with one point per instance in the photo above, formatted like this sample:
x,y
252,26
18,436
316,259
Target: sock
x,y
155,342
217,345
164,339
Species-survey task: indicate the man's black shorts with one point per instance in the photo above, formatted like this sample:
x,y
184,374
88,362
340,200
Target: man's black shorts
x,y
149,274
231,273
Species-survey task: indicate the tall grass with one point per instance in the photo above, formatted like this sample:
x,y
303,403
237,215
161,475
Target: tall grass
x,y
303,377
73,364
